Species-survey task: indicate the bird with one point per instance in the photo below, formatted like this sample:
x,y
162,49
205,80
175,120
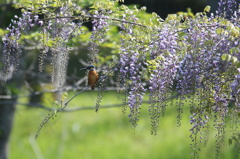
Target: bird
x,y
92,76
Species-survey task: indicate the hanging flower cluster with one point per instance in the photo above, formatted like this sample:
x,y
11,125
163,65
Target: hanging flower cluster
x,y
100,27
163,68
12,40
131,64
56,35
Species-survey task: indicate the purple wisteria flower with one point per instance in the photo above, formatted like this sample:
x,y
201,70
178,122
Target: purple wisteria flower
x,y
100,27
12,46
228,9
131,67
130,64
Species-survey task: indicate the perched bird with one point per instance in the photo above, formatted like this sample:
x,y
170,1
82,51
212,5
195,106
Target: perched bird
x,y
92,76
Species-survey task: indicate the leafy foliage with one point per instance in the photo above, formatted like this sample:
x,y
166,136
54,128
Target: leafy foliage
x,y
192,57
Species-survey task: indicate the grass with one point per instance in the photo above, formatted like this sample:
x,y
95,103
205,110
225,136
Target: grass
x,y
104,135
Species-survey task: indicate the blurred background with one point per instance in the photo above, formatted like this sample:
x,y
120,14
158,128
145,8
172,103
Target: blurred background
x,y
163,8
85,133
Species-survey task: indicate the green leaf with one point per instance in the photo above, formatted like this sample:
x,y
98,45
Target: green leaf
x,y
209,42
237,65
50,43
234,59
233,50
221,31
181,34
151,62
224,56
64,96
171,17
229,57
207,8
2,32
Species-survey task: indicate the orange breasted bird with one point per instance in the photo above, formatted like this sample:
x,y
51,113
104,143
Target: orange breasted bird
x,y
92,76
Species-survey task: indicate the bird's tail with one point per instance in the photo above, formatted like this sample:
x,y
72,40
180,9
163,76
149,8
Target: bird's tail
x,y
93,86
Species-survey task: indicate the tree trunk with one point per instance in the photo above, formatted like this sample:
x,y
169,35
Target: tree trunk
x,y
7,109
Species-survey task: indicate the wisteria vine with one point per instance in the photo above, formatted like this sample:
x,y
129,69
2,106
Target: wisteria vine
x,y
195,59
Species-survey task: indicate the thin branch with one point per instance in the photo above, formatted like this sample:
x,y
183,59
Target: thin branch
x,y
92,107
66,103
93,17
6,97
62,89
54,113
77,108
34,105
68,88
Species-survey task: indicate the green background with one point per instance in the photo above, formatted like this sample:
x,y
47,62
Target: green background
x,y
104,135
